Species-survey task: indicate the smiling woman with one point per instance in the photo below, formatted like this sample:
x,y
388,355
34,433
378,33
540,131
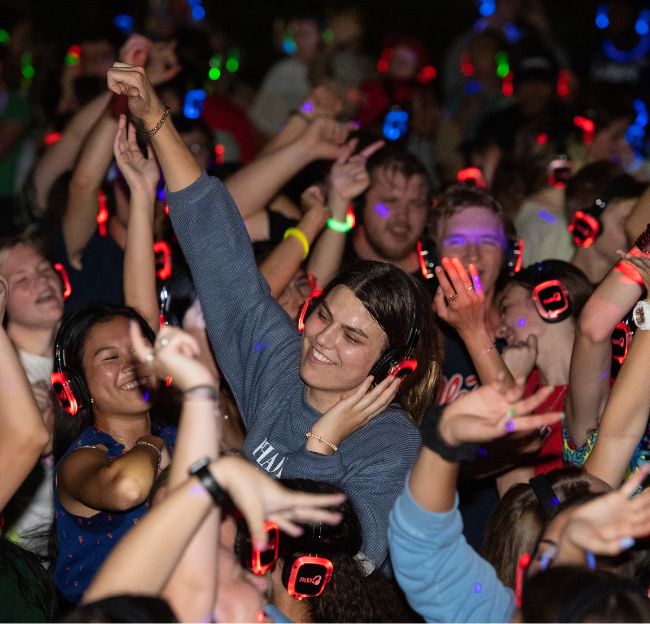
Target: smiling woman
x,y
106,456
308,404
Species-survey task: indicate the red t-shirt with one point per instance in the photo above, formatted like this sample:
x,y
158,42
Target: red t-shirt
x,y
550,455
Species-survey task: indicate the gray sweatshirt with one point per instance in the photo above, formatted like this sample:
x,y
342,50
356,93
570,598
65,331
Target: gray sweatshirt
x,y
258,349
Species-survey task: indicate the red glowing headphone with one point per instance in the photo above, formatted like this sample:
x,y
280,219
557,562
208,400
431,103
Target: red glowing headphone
x,y
68,385
551,300
306,573
586,225
257,561
65,281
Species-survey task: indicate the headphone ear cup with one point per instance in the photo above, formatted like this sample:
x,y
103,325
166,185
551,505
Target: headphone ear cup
x,y
287,567
79,388
384,364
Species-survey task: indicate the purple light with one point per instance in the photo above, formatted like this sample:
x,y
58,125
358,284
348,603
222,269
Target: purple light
x,y
547,216
260,346
307,107
521,322
482,451
382,210
605,373
478,588
146,395
555,501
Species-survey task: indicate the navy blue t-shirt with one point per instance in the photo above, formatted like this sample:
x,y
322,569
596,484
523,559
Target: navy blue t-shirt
x,y
100,278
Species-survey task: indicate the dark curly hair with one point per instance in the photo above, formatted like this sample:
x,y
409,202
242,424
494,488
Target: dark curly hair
x,y
352,595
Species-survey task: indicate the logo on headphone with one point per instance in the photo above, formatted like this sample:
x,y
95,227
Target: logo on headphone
x,y
306,576
551,300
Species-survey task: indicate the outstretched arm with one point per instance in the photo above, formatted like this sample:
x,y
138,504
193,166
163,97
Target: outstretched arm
x,y
191,587
348,179
146,556
80,216
61,157
282,263
625,417
443,578
256,184
22,432
589,379
142,175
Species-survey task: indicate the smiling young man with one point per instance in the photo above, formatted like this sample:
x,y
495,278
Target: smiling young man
x,y
392,214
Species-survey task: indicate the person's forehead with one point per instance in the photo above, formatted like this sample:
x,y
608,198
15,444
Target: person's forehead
x,y
391,179
474,219
19,257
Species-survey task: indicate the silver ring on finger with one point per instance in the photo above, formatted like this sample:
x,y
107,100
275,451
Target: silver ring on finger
x,y
163,341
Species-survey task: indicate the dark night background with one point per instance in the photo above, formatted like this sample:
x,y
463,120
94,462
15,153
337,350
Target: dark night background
x,y
249,22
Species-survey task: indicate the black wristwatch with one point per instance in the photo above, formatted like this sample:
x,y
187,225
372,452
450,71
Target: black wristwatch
x,y
200,469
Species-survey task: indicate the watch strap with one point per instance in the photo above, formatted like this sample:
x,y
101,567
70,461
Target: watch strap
x,y
201,470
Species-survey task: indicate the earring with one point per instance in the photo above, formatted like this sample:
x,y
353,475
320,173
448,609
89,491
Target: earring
x,y
92,400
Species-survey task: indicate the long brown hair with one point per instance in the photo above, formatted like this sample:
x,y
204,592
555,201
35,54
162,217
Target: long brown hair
x,y
390,296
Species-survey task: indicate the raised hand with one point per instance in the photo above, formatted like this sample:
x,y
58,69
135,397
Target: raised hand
x,y
322,101
491,412
141,174
159,59
316,213
132,81
325,138
607,526
459,299
355,410
259,497
349,176
174,354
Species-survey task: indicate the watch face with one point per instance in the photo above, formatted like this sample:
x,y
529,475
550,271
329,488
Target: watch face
x,y
639,315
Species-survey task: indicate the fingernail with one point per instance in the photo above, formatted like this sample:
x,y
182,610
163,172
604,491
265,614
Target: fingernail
x,y
626,542
591,560
259,544
510,426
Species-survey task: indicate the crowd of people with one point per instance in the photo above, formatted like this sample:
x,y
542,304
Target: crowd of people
x,y
362,342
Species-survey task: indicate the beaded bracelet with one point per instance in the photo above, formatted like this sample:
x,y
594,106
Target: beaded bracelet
x,y
153,446
311,434
300,235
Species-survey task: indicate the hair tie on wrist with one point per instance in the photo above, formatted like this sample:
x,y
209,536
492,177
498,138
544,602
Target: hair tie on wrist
x,y
204,391
432,439
300,235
